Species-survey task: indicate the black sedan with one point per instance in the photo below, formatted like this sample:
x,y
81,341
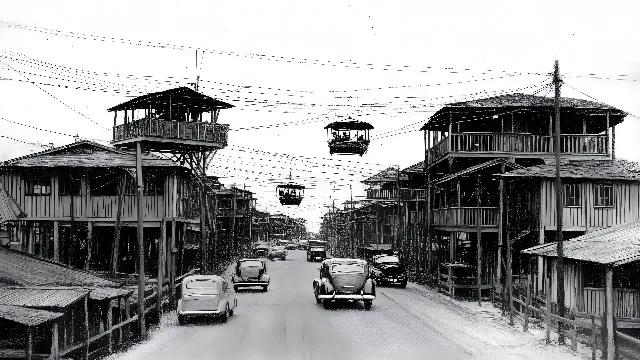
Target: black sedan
x,y
387,270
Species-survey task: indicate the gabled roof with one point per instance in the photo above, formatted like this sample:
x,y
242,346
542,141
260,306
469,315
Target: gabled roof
x,y
87,154
179,96
415,168
389,174
583,169
514,101
614,246
9,208
477,168
41,298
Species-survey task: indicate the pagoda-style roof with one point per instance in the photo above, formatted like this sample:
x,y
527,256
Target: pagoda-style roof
x,y
487,107
183,96
349,125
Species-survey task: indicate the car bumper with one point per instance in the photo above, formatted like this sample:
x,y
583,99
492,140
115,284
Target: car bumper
x,y
347,297
199,313
391,280
251,283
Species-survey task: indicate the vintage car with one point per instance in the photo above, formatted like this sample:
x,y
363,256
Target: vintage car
x,y
316,249
302,244
344,280
277,252
387,269
250,273
261,249
206,296
291,246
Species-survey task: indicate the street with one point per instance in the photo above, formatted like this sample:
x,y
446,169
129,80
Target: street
x,y
286,323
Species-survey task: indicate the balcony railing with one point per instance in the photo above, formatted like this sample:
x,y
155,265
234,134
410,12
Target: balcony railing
x,y
198,131
392,194
581,144
465,216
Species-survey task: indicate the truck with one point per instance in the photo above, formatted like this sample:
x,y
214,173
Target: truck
x,y
316,249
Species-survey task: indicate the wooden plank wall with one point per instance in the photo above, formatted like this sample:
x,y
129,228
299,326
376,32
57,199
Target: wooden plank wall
x,y
626,207
626,301
86,206
573,284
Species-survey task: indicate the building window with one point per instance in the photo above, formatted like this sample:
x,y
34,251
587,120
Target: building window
x,y
153,185
38,185
69,184
571,194
603,195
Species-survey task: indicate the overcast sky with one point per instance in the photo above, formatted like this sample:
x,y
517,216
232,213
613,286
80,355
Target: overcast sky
x,y
288,61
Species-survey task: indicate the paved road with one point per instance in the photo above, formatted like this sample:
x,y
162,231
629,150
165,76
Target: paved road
x,y
286,323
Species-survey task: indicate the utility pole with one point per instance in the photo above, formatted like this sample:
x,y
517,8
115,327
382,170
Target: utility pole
x,y
560,260
141,278
396,242
351,225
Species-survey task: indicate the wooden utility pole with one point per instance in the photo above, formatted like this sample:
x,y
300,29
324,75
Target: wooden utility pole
x,y
479,242
396,243
427,207
141,279
351,225
559,192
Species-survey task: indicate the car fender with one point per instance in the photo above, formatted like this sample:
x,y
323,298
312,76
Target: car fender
x,y
327,286
316,283
179,307
369,287
266,277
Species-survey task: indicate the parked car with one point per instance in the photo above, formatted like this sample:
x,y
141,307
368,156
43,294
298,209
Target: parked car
x,y
387,269
316,250
250,273
277,252
344,280
206,296
261,249
302,244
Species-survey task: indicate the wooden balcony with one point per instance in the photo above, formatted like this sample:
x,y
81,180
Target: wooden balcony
x,y
392,194
513,143
465,216
165,135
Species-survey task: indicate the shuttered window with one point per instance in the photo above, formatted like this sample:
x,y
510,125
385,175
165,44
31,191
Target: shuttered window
x,y
38,185
572,195
603,195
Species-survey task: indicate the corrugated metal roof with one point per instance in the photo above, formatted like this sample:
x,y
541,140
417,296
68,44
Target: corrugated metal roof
x,y
475,168
41,298
9,208
27,316
615,246
585,169
183,95
23,269
389,174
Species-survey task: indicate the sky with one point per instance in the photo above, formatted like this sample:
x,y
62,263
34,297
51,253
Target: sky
x,y
291,67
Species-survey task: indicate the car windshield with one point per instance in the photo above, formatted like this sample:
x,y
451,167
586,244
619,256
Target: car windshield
x,y
251,264
204,284
353,268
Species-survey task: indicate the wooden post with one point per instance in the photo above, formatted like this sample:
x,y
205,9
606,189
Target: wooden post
x,y
86,326
613,142
141,278
500,229
594,339
427,210
609,312
115,247
479,242
127,316
451,284
527,312
161,256
204,243
89,244
509,284
172,263
55,348
29,350
110,324
606,139
558,185
548,302
56,241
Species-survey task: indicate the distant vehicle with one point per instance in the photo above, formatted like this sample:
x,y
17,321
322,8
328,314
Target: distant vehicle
x,y
249,273
316,249
344,280
279,252
302,244
261,249
291,246
206,296
387,269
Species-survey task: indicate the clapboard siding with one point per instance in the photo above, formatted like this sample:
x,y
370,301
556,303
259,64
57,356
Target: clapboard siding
x,y
86,206
587,216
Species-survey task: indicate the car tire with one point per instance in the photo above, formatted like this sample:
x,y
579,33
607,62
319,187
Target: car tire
x,y
403,284
318,300
235,288
225,316
181,320
367,304
326,303
264,288
231,312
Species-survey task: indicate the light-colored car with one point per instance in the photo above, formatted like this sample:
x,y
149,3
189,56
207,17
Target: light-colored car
x,y
249,273
206,296
277,252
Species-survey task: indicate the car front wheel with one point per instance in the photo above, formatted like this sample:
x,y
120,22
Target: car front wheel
x,y
318,300
367,304
180,319
225,315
